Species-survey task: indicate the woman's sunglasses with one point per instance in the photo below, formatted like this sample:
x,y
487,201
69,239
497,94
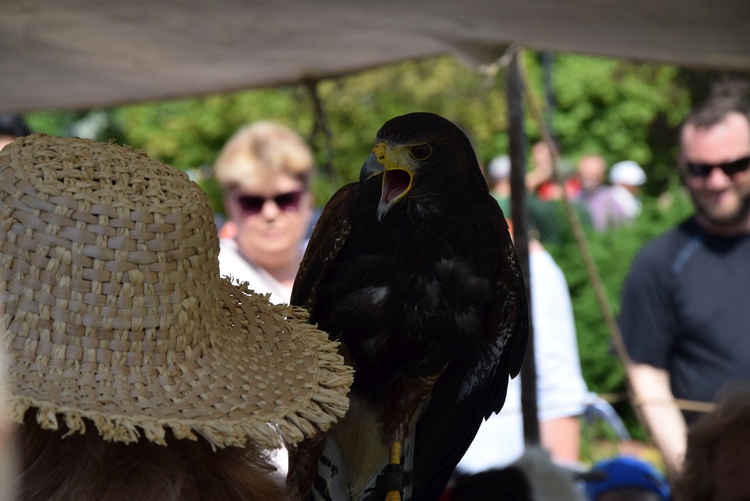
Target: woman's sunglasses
x,y
729,168
253,204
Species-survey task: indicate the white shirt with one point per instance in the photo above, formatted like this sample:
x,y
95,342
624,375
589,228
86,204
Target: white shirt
x,y
233,264
628,202
561,390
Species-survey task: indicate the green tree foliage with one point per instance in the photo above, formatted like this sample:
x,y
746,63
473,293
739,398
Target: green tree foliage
x,y
359,104
614,108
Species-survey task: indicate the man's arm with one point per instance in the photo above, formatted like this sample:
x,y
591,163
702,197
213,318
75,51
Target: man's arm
x,y
561,437
663,418
561,391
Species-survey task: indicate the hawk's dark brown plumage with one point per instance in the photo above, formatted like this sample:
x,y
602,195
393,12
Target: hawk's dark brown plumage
x,y
414,271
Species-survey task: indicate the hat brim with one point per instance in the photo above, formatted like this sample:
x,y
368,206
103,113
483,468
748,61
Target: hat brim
x,y
267,376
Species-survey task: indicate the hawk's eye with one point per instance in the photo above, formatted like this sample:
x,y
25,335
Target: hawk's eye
x,y
421,151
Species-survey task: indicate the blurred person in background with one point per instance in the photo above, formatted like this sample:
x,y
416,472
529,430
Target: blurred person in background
x,y
498,175
546,218
592,171
617,204
626,478
540,177
12,127
265,171
626,178
684,309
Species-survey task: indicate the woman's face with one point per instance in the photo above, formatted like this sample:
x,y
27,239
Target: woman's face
x,y
272,218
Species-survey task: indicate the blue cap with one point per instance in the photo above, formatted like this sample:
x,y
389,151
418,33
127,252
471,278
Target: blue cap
x,y
627,472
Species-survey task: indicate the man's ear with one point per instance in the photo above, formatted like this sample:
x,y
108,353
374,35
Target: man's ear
x,y
680,161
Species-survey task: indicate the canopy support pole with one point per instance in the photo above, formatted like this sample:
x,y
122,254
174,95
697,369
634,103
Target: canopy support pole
x,y
518,143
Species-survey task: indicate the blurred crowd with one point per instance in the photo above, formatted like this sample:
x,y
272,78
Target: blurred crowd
x,y
603,197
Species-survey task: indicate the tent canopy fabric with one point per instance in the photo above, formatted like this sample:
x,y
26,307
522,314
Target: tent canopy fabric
x,y
77,54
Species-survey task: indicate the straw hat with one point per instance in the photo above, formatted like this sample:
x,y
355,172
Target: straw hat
x,y
114,309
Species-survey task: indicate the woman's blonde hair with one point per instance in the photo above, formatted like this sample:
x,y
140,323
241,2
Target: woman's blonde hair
x,y
261,150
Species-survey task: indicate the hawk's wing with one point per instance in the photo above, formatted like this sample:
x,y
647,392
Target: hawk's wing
x,y
468,393
329,236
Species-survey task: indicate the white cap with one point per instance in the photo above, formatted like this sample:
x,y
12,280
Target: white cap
x,y
627,172
499,167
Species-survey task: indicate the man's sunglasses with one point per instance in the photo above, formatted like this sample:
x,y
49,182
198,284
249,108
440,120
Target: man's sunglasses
x,y
253,204
729,168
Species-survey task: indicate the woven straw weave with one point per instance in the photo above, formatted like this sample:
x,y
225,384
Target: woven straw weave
x,y
113,308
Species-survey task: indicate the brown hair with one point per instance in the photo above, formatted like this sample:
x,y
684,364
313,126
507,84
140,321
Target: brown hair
x,y
260,150
7,451
726,97
729,421
84,467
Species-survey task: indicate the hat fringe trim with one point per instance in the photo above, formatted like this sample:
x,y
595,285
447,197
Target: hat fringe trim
x,y
315,414
329,402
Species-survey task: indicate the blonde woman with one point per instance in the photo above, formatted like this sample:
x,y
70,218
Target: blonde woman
x,y
265,170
